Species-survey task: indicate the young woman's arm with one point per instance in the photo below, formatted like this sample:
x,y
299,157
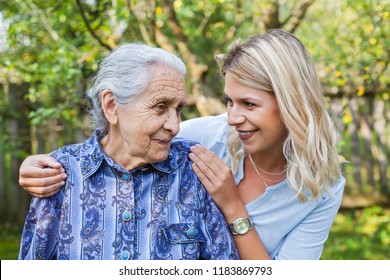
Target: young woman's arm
x,y
219,182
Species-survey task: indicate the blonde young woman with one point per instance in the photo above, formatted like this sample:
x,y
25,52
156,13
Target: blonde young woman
x,y
270,163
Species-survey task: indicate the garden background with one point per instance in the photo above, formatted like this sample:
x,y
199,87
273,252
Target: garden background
x,y
49,49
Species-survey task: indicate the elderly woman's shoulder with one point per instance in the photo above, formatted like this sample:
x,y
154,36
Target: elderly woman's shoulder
x,y
74,150
182,144
205,130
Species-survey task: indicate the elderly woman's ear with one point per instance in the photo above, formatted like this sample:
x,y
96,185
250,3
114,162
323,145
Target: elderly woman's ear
x,y
110,107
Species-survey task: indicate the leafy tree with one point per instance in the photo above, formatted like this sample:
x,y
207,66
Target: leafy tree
x,y
49,49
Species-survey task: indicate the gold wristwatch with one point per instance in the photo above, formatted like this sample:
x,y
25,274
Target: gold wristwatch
x,y
240,226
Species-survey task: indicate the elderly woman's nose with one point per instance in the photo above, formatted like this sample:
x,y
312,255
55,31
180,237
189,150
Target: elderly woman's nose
x,y
172,122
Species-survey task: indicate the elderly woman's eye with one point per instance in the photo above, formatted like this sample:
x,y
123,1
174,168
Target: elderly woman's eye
x,y
179,109
160,107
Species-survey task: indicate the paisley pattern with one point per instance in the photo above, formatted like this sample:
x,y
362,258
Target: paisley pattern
x,y
156,211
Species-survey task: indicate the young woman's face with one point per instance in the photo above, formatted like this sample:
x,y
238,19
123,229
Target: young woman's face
x,y
256,117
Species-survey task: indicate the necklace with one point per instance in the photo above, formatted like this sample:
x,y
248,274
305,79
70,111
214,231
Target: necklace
x,y
257,167
265,179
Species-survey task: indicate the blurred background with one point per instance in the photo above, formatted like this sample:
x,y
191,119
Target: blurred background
x,y
49,49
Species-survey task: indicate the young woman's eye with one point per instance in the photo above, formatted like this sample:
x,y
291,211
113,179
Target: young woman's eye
x,y
249,105
228,101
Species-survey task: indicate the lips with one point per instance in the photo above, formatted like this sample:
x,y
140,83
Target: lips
x,y
164,142
246,134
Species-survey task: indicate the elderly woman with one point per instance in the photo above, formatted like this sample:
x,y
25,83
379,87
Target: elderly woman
x,y
130,191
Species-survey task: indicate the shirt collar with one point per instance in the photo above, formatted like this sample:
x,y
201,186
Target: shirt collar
x,y
92,156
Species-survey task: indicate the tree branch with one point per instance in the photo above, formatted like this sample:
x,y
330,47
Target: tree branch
x,y
196,68
271,15
145,14
294,19
43,18
237,21
89,28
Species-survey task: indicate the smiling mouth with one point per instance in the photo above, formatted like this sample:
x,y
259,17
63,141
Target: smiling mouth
x,y
244,135
164,142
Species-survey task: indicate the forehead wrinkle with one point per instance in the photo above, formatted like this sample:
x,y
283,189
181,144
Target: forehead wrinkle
x,y
167,93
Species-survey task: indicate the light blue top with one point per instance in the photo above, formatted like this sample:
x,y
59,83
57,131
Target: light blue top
x,y
157,211
288,228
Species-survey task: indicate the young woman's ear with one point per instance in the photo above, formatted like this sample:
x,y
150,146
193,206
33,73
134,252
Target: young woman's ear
x,y
110,108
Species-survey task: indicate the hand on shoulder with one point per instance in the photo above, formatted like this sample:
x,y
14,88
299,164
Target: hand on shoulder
x,y
41,175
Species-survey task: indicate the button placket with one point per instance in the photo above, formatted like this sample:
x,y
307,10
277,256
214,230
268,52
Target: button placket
x,y
127,211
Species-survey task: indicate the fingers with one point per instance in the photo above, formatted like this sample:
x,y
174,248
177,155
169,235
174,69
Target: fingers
x,y
46,161
208,158
36,166
210,169
41,175
205,161
202,177
45,191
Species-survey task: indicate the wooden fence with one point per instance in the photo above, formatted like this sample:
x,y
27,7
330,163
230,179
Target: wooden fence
x,y
364,133
365,144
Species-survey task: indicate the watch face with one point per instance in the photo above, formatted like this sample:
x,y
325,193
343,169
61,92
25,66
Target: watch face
x,y
241,226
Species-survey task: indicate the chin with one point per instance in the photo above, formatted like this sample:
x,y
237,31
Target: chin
x,y
248,149
159,157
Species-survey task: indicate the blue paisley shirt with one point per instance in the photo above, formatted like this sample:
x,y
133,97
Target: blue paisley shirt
x,y
157,211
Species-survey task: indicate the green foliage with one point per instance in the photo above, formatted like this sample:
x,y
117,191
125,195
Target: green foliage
x,y
49,49
9,242
49,46
352,49
359,235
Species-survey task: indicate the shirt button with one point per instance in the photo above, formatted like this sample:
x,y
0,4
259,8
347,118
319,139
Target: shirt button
x,y
191,233
126,177
127,216
125,255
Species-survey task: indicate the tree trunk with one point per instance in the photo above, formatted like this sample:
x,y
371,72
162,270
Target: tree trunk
x,y
355,149
3,178
20,138
369,147
380,121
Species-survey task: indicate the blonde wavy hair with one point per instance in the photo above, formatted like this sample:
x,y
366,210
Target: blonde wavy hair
x,y
278,62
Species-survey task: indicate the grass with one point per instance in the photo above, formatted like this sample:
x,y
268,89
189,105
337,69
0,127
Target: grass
x,y
357,234
9,242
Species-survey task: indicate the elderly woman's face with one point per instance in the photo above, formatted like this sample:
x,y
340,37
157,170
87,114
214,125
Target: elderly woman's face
x,y
146,125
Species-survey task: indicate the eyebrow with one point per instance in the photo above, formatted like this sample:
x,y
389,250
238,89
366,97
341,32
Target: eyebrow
x,y
250,99
169,100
